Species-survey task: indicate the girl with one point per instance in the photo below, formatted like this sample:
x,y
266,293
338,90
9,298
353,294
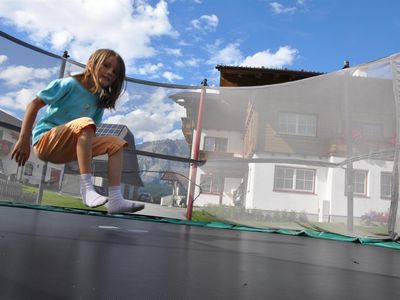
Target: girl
x,y
66,132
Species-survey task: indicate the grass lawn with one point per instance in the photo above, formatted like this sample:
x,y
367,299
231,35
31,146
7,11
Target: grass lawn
x,y
203,216
62,200
233,215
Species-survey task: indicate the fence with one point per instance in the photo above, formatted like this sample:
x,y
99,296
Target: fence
x,y
13,191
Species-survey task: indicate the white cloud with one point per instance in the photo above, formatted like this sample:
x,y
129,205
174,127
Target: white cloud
x,y
229,55
284,56
158,118
191,62
3,58
278,8
171,76
232,55
83,26
149,69
173,52
19,99
206,23
25,82
15,75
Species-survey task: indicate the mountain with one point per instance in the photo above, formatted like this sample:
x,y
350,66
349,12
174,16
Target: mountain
x,y
153,168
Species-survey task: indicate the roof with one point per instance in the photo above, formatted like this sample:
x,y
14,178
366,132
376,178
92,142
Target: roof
x,y
9,121
251,76
266,70
174,177
130,171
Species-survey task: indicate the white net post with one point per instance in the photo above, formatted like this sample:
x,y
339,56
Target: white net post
x,y
394,217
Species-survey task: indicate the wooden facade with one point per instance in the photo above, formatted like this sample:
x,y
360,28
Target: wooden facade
x,y
258,132
365,109
247,76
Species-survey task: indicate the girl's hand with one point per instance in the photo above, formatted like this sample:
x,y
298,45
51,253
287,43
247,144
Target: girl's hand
x,y
21,151
22,148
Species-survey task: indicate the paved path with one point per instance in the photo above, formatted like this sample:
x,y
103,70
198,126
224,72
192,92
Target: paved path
x,y
157,210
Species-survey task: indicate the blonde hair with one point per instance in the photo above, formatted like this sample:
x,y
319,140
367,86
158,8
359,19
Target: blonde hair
x,y
108,97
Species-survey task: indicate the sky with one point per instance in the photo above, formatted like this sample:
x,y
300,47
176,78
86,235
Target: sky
x,y
182,41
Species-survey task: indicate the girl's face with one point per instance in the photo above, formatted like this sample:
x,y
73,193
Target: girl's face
x,y
107,71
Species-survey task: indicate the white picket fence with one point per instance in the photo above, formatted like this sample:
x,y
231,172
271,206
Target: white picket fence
x,y
12,191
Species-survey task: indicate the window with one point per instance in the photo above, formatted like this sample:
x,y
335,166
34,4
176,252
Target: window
x,y
297,124
211,184
294,179
386,185
367,131
28,170
215,144
360,182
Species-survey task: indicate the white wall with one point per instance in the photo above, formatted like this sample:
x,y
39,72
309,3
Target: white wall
x,y
362,205
261,194
329,189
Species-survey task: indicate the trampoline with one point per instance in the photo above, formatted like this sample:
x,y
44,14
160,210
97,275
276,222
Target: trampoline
x,y
301,179
55,255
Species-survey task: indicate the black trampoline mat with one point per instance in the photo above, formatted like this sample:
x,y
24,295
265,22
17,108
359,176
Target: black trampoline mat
x,y
55,255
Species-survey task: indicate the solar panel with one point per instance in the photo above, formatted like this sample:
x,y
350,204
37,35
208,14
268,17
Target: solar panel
x,y
109,129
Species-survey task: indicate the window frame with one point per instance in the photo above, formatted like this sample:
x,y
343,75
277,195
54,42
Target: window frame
x,y
368,131
294,180
389,174
365,183
29,166
296,122
219,144
214,185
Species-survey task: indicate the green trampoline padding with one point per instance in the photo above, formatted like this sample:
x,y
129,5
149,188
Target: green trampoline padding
x,y
387,242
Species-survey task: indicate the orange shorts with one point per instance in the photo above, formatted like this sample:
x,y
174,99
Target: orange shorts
x,y
58,145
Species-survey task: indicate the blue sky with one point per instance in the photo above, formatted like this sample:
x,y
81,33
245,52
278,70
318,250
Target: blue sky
x,y
181,41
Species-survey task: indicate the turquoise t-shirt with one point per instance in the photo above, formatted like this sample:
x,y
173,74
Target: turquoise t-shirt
x,y
67,100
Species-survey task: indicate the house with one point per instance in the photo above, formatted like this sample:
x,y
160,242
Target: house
x,y
178,183
130,179
31,173
222,137
289,144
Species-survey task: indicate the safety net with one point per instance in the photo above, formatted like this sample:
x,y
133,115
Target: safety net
x,y
317,155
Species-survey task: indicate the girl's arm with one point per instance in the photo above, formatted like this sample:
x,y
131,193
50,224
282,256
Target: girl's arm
x,y
22,148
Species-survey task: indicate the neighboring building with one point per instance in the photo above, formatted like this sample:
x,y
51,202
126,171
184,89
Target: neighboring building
x,y
130,179
286,124
179,189
31,173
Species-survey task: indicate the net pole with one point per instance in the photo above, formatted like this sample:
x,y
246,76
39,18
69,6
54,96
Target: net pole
x,y
394,213
195,154
39,195
349,155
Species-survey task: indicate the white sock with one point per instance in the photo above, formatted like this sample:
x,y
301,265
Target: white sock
x,y
117,204
89,196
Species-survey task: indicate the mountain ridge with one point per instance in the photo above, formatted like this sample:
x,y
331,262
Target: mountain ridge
x,y
151,169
